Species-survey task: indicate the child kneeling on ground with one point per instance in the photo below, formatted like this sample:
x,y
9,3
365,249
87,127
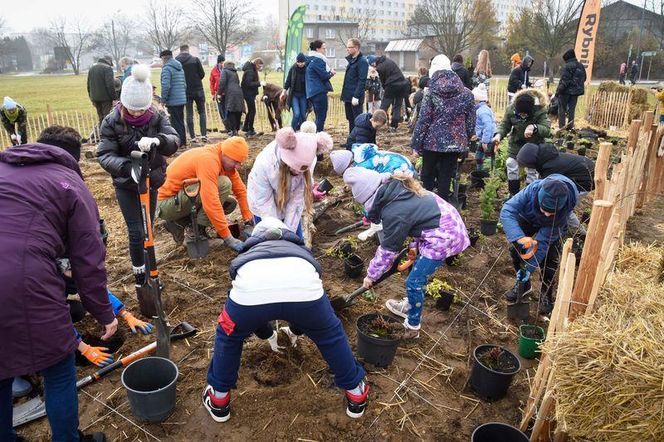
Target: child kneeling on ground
x,y
406,209
366,126
276,277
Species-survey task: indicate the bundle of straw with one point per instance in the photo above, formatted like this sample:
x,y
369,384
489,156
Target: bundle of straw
x,y
609,366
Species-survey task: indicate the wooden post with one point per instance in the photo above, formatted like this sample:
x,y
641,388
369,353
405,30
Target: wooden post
x,y
49,115
591,253
601,166
629,102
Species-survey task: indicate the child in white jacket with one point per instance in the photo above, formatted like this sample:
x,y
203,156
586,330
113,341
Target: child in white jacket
x,y
280,180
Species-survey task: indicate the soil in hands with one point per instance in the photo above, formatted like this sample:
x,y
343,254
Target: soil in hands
x,y
381,327
497,359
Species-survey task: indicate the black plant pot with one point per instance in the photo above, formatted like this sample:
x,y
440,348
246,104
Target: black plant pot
x,y
463,188
452,261
474,236
374,350
445,301
497,432
462,199
488,383
477,179
325,185
488,227
353,266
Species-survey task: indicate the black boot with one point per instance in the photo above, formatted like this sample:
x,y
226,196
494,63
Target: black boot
x,y
545,305
93,437
513,186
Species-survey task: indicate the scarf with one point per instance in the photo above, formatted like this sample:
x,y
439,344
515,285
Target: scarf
x,y
141,120
322,57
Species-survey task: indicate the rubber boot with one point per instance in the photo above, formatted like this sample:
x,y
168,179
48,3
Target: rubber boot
x,y
513,186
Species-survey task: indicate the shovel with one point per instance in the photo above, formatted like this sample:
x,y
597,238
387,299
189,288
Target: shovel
x,y
198,246
520,309
35,408
342,302
349,228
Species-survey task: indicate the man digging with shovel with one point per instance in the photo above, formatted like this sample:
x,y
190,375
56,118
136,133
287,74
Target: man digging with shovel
x,y
215,168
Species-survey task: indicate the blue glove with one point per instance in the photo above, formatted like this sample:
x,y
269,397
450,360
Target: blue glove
x,y
234,243
522,275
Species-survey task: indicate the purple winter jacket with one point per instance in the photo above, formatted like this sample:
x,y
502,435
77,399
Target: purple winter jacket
x,y
47,212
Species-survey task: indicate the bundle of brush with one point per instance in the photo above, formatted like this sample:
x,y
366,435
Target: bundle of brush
x,y
609,365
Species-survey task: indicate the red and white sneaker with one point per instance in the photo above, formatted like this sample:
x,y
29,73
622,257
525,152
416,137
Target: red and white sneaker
x,y
357,403
220,412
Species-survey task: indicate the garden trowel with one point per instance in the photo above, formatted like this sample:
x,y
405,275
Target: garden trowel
x,y
520,309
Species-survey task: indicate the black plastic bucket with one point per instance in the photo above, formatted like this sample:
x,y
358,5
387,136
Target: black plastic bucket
x,y
490,384
325,185
150,384
374,350
353,266
497,432
488,228
477,179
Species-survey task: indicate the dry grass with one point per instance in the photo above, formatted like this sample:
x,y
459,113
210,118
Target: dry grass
x,y
609,366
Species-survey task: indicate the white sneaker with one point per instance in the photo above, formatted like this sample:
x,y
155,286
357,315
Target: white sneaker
x,y
292,336
274,342
399,308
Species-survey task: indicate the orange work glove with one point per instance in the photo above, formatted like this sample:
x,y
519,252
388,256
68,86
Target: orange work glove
x,y
96,355
134,323
527,242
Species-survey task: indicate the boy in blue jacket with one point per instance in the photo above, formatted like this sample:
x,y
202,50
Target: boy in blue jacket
x,y
539,212
365,128
485,127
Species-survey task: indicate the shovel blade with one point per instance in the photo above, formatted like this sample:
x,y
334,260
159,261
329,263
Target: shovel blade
x,y
198,248
29,411
146,300
519,311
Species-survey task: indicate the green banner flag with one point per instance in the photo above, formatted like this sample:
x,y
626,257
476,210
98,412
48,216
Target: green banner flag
x,y
294,37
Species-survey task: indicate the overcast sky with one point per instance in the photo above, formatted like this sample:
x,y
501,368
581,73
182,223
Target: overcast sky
x,y
25,15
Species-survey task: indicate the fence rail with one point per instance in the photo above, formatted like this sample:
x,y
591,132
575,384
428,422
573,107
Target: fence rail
x,y
609,109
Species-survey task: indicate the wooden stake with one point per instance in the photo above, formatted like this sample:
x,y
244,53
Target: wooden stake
x,y
601,166
591,250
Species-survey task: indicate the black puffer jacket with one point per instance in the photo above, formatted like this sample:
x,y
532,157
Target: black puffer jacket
x,y
389,72
520,76
250,80
118,139
463,74
547,160
193,72
363,132
572,77
295,83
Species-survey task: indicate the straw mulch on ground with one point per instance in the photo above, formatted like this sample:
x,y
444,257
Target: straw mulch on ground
x,y
609,366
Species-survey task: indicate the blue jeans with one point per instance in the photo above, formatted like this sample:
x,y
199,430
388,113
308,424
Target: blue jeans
x,y
299,108
298,231
316,319
61,402
418,278
319,103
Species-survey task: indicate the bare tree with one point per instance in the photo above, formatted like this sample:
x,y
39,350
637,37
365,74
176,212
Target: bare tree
x,y
453,25
365,19
224,22
113,38
166,24
3,24
74,39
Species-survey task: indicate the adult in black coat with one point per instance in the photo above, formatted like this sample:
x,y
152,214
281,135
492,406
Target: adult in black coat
x,y
461,71
633,72
101,88
520,76
250,84
547,160
229,88
352,91
572,84
396,87
193,75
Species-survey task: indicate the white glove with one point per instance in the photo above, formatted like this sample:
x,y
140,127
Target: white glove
x,y
371,231
274,344
355,101
145,143
530,130
496,138
13,137
263,83
18,139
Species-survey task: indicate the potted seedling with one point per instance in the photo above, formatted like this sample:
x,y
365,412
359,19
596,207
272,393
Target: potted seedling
x,y
454,260
477,179
493,369
530,338
442,292
378,338
353,266
488,198
496,431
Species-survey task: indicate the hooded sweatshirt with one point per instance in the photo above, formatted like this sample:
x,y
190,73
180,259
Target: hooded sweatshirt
x,y
447,116
573,76
547,160
436,226
520,76
363,132
47,213
173,83
193,72
515,126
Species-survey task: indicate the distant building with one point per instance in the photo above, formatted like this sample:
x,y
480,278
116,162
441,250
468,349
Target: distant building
x,y
620,18
332,33
505,8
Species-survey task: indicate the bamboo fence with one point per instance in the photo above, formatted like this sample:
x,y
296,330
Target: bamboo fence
x,y
608,109
634,182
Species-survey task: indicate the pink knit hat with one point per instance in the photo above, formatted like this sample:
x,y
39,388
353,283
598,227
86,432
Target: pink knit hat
x,y
298,150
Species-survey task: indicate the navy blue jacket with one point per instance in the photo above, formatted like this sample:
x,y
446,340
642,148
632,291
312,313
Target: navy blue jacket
x,y
317,78
363,132
173,84
355,78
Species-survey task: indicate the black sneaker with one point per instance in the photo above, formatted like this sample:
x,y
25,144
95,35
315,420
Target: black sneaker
x,y
176,230
94,437
356,404
513,293
218,413
204,139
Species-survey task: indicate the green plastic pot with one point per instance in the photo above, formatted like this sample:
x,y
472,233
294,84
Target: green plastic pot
x,y
529,347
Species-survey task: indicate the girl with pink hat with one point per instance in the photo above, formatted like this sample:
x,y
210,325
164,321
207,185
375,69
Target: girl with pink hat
x,y
280,180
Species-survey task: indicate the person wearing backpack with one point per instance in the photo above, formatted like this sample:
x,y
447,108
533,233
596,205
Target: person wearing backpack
x,y
571,86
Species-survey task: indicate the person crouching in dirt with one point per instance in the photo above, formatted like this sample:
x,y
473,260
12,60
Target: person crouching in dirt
x,y
216,168
265,289
406,209
539,212
135,125
47,210
280,182
365,128
525,121
14,119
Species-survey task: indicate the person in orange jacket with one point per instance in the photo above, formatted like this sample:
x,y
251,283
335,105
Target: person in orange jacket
x,y
216,169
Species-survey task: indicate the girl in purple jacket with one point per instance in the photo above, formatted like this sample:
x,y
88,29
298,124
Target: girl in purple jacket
x,y
407,210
